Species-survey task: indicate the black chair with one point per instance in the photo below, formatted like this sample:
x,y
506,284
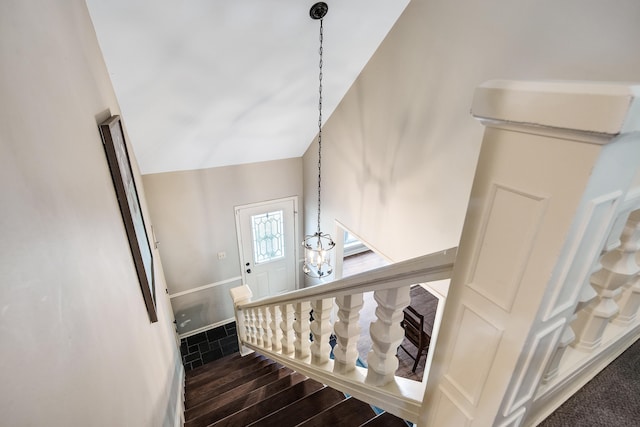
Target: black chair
x,y
413,325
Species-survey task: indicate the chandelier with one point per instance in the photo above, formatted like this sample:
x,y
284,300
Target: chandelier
x,y
317,247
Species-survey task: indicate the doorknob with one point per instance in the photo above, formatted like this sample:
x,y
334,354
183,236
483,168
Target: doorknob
x,y
247,264
249,270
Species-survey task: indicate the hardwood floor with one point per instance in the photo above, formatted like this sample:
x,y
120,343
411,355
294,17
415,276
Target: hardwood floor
x,y
421,299
361,262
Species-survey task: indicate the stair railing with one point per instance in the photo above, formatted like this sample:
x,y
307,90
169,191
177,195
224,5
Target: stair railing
x,y
295,328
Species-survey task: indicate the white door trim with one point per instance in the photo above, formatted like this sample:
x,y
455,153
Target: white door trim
x,y
296,235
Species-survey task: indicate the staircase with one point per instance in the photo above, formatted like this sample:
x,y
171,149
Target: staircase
x,y
256,391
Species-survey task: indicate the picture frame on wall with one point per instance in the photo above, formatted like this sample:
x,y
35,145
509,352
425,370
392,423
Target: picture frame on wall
x,y
125,187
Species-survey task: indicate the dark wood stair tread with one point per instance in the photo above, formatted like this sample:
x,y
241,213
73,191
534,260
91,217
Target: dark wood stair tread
x,y
222,399
299,411
253,390
349,412
265,407
218,362
385,420
196,396
217,370
235,400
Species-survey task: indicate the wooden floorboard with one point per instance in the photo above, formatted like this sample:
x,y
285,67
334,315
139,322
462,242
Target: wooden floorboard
x,y
265,407
250,391
300,410
193,373
195,397
220,370
349,412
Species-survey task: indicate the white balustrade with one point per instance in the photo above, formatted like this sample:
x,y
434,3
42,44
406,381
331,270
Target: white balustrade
x,y
347,330
630,243
386,335
619,266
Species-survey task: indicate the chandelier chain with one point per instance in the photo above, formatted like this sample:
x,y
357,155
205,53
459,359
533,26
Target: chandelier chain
x,y
320,126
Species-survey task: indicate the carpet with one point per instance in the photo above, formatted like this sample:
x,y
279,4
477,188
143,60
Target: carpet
x,y
611,398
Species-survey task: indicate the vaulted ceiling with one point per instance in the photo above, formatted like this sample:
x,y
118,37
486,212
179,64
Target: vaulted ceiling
x,y
208,83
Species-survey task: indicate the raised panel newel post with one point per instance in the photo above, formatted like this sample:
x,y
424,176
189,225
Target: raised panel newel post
x,y
556,161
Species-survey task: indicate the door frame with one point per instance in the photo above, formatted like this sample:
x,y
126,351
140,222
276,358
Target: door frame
x,y
296,234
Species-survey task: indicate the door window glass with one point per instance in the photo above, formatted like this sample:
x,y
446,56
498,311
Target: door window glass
x,y
268,236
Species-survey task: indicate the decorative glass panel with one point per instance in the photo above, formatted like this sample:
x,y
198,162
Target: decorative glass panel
x,y
268,236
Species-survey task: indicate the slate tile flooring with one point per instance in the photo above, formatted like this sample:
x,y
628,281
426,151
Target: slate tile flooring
x,y
208,346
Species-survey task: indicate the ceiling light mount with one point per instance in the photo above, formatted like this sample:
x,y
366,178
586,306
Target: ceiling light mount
x,y
319,10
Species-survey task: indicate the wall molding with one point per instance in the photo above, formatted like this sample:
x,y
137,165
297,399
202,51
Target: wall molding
x,y
202,288
207,327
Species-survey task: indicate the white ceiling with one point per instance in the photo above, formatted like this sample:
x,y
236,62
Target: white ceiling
x,y
207,83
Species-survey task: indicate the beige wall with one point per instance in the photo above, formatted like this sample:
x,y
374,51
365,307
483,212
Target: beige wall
x,y
77,344
193,218
399,152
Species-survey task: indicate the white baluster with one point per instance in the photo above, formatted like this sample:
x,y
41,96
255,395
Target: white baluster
x,y
630,300
247,325
255,335
568,336
321,329
301,327
618,267
386,335
274,326
266,328
347,332
288,335
630,303
258,327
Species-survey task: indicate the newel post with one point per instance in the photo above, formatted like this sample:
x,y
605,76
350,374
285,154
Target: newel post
x,y
556,160
241,295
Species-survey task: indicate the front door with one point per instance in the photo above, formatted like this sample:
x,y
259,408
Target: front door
x,y
267,242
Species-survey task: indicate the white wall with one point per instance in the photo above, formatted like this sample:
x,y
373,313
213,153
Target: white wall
x,y
77,348
193,217
399,153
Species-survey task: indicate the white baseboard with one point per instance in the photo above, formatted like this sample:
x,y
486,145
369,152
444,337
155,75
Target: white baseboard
x,y
179,419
